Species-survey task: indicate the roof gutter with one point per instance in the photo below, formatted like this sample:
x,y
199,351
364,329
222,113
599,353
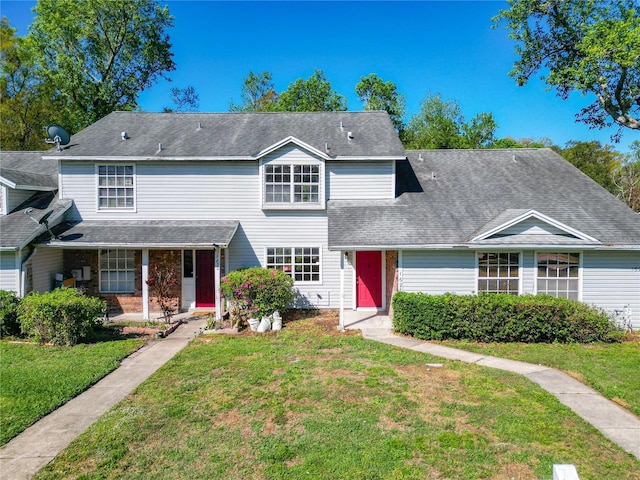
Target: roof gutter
x,y
609,247
136,245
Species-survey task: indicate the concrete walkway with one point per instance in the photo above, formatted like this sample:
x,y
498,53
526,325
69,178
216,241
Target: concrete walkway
x,y
620,426
30,451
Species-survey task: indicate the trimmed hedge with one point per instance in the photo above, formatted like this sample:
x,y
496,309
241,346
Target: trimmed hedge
x,y
9,325
63,316
500,318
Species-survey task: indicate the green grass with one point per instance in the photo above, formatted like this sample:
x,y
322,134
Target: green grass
x,y
36,379
610,368
310,402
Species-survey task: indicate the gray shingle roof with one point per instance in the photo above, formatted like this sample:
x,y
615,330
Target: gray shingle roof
x,y
149,233
233,134
17,229
466,191
29,169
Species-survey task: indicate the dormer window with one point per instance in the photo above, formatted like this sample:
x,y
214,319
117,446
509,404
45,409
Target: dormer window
x,y
291,185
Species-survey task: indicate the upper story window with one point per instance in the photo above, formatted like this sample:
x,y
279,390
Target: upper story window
x,y
499,272
116,187
292,186
559,274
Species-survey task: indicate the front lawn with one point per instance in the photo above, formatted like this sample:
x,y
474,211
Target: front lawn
x,y
36,379
610,368
311,402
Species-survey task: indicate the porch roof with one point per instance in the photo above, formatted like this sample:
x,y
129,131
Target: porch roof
x,y
145,234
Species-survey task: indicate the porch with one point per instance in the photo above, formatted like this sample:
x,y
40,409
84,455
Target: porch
x,y
366,319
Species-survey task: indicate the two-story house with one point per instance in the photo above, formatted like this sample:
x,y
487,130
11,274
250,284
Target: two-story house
x,y
333,199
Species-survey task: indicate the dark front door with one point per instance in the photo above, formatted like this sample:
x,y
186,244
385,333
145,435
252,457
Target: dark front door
x,y
369,279
205,287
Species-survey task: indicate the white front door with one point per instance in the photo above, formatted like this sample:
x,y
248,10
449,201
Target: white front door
x,y
188,280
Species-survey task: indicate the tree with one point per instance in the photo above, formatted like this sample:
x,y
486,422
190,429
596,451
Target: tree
x,y
377,94
314,94
510,142
597,161
441,124
587,46
184,100
627,178
480,133
100,54
258,94
27,102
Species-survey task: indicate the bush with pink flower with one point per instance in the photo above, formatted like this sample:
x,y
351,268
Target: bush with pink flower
x,y
257,292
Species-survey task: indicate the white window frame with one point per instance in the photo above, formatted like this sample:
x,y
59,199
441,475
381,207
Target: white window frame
x,y
292,256
520,270
134,187
117,269
292,204
579,278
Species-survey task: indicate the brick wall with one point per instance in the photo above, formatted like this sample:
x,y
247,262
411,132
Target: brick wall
x,y
124,302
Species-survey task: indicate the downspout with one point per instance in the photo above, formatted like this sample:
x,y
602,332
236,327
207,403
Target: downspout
x,y
343,255
22,273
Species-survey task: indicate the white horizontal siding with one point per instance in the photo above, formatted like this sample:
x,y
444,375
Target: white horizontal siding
x,y
528,274
16,197
532,226
438,272
215,191
360,180
8,272
45,263
611,280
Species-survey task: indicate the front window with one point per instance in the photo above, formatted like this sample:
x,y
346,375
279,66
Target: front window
x,y
498,272
286,184
558,274
117,271
116,187
302,263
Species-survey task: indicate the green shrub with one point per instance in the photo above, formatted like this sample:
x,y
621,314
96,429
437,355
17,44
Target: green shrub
x,y
62,317
500,318
9,325
258,291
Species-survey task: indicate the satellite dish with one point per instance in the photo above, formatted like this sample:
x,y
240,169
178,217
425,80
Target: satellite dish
x,y
45,217
57,135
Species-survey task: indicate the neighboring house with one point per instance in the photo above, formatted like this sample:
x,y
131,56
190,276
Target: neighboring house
x,y
28,192
335,200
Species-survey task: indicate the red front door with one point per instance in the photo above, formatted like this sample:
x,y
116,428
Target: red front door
x,y
369,279
205,288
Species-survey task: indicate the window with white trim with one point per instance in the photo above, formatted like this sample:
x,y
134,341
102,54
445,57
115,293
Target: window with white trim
x,y
291,184
116,187
117,271
498,272
559,274
302,263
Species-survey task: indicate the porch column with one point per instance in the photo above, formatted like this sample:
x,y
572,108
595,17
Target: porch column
x,y
341,322
145,287
216,282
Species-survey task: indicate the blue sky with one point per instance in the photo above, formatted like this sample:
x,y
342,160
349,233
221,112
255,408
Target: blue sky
x,y
422,46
